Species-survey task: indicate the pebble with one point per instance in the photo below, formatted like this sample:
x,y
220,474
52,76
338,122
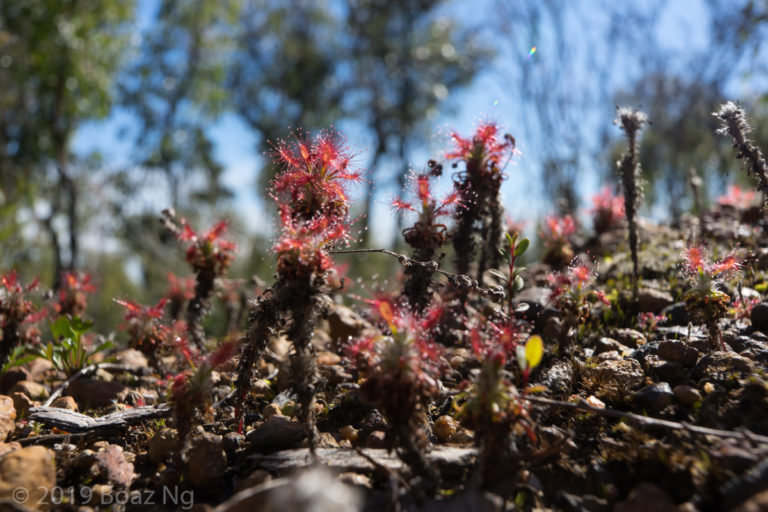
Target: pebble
x,y
375,439
349,433
276,433
605,344
22,403
204,459
162,444
32,468
32,389
759,317
65,402
650,300
7,417
687,395
270,410
655,397
678,351
445,427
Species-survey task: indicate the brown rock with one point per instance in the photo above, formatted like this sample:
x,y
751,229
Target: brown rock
x,y
9,447
270,410
11,377
679,352
344,323
204,459
32,468
686,395
132,358
445,427
644,497
96,393
463,436
375,439
349,433
607,345
32,389
719,366
7,417
328,358
162,444
21,403
629,337
113,466
277,433
650,300
627,372
65,402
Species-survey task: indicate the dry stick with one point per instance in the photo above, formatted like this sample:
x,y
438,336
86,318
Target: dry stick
x,y
651,421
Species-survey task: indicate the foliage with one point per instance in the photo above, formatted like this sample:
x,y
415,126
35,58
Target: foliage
x,y
68,353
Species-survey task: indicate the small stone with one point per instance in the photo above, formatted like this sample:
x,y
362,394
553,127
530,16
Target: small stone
x,y
7,417
276,433
687,395
325,440
655,397
162,444
678,351
627,372
96,393
646,496
445,427
32,389
114,467
356,479
708,387
261,387
558,379
650,300
22,403
233,441
32,468
676,314
629,337
456,361
65,402
463,436
132,358
9,447
204,459
595,402
759,317
270,410
344,323
375,439
328,358
719,366
11,377
608,356
607,345
349,433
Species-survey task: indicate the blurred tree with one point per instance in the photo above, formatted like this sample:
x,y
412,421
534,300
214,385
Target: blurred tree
x,y
284,73
406,57
57,65
175,88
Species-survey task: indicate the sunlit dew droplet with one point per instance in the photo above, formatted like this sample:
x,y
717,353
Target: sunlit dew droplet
x,y
531,52
495,103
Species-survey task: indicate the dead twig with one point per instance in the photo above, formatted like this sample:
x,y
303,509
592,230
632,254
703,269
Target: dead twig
x,y
651,421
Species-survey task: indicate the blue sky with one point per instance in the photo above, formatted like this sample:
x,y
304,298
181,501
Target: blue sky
x,y
683,28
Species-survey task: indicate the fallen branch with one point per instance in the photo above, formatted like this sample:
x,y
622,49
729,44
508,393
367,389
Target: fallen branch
x,y
650,421
71,421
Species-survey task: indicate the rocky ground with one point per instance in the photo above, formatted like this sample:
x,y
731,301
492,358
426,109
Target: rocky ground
x,y
709,454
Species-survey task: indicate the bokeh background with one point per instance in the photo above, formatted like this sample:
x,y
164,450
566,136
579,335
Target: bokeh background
x,y
111,110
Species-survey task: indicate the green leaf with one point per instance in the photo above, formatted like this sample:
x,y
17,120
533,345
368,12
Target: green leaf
x,y
519,283
522,247
498,274
80,326
534,350
61,328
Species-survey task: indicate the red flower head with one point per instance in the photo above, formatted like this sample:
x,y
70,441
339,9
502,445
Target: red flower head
x,y
73,295
315,176
210,250
607,210
484,151
737,198
146,331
